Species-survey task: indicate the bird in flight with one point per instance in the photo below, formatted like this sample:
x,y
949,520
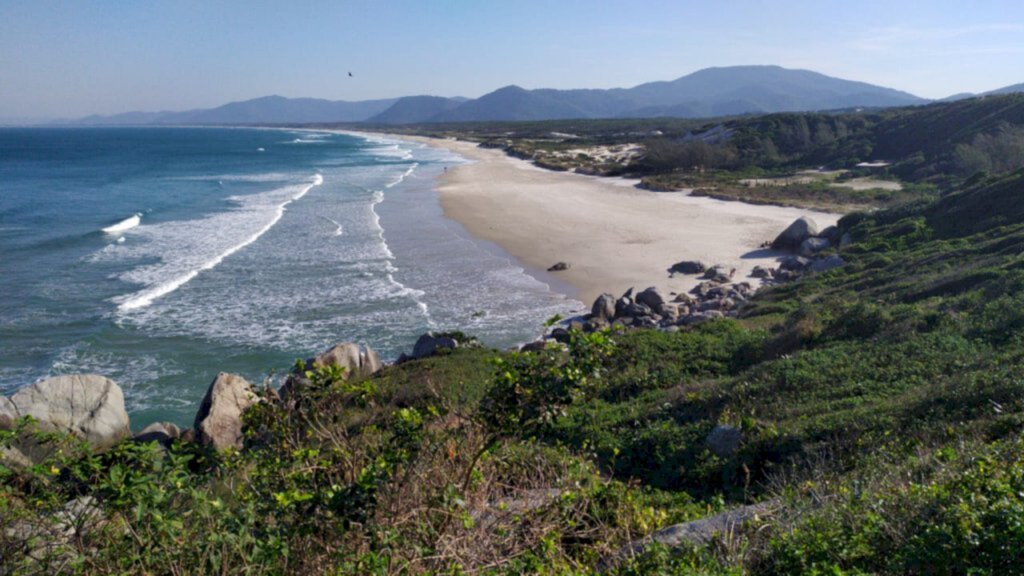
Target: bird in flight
x,y
349,74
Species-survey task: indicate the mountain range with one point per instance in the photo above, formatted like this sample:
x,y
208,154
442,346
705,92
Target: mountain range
x,y
1003,90
706,93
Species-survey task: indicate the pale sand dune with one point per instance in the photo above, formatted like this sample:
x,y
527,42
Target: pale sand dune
x,y
612,234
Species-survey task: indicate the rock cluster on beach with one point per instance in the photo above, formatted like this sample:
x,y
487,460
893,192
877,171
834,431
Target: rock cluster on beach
x,y
650,308
810,246
717,295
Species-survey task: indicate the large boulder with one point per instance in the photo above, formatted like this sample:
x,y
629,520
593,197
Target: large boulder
x,y
429,344
718,273
830,233
794,263
790,239
88,406
812,246
687,267
219,421
162,433
651,298
355,361
636,310
604,307
623,302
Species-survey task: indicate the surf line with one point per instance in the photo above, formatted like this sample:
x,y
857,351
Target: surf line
x,y
126,224
389,269
146,297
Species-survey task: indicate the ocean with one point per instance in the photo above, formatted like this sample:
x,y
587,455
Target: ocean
x,y
161,256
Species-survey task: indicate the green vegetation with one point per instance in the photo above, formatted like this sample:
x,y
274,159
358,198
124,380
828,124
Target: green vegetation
x,y
881,409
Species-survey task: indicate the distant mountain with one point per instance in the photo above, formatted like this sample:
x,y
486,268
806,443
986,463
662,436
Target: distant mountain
x,y
266,110
412,109
709,92
1004,90
706,93
1007,89
957,97
759,89
126,118
513,103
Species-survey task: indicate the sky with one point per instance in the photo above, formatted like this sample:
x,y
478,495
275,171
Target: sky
x,y
65,59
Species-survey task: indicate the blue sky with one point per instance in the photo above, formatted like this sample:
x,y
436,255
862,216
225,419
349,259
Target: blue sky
x,y
71,58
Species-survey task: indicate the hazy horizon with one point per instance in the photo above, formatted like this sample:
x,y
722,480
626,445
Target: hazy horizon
x,y
108,57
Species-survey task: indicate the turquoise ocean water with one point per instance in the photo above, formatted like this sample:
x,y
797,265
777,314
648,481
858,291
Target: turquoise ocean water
x,y
161,256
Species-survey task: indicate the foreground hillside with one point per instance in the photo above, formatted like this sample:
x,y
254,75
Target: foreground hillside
x,y
873,413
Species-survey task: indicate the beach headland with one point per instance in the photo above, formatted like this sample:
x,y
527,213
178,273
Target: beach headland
x,y
612,235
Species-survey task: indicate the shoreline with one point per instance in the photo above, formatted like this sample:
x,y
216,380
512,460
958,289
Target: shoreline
x,y
613,235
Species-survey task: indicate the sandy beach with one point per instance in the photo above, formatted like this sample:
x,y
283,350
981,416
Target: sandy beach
x,y
613,235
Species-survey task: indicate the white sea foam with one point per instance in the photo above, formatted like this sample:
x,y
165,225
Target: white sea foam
x,y
402,289
389,149
146,297
132,373
339,229
264,177
126,224
403,176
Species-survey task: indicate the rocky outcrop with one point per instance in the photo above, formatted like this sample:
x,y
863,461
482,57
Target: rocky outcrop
x,y
162,433
696,533
719,273
87,406
651,298
354,360
795,263
830,233
790,239
535,346
429,344
813,245
218,423
650,308
603,308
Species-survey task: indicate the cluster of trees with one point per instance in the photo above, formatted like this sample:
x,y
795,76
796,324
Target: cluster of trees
x,y
930,143
996,153
764,142
665,155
